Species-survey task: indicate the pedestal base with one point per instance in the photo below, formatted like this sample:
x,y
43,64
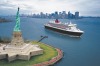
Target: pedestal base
x,y
23,52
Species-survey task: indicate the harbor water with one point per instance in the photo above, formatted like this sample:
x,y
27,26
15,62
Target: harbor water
x,y
83,51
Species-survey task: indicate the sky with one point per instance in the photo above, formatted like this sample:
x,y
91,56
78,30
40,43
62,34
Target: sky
x,y
85,7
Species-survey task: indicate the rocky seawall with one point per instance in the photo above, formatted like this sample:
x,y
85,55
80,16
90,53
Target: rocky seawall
x,y
53,60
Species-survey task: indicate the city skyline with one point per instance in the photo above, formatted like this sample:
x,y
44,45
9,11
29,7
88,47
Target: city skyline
x,y
85,7
55,15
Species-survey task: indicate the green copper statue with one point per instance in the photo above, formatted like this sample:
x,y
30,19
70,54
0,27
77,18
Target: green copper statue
x,y
17,26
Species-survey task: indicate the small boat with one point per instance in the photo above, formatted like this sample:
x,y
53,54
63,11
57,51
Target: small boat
x,y
65,28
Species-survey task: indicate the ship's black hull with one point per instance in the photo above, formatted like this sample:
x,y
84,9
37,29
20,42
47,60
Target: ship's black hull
x,y
64,32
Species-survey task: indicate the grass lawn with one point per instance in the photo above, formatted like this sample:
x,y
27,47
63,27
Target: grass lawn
x,y
49,52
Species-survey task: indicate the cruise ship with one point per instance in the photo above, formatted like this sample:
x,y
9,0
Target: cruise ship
x,y
64,28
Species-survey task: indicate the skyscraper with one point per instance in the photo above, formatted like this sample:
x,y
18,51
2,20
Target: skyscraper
x,y
64,15
56,15
69,15
77,15
41,14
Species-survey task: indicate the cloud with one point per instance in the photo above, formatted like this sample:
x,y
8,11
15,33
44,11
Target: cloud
x,y
85,7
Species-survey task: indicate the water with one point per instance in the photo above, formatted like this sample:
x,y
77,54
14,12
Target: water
x,y
84,51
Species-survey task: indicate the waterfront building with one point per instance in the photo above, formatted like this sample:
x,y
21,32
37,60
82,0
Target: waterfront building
x,y
64,15
76,15
56,15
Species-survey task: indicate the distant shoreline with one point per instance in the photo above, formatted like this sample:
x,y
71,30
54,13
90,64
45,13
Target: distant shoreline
x,y
3,20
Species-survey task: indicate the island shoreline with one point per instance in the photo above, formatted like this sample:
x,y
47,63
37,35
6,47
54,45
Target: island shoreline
x,y
53,60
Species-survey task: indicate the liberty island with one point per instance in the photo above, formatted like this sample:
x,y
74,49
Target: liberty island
x,y
44,55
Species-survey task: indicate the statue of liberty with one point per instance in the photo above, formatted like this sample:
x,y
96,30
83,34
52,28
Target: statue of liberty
x,y
17,26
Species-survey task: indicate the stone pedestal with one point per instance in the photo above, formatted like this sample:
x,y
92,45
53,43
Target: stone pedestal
x,y
23,52
17,49
17,39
